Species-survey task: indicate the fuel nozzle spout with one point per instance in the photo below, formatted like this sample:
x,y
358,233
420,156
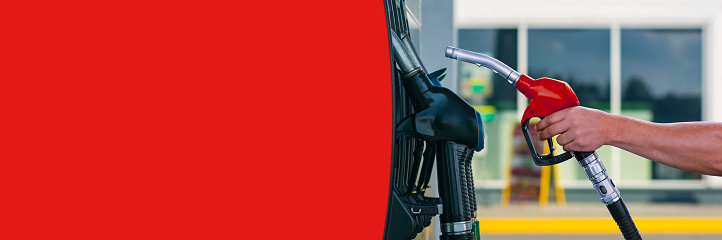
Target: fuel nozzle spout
x,y
404,59
482,60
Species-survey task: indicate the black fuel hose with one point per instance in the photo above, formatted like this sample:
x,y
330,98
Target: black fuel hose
x,y
608,193
624,220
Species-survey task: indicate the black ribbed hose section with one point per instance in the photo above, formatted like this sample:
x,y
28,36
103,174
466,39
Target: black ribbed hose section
x,y
464,183
406,145
454,188
467,181
624,220
470,191
618,209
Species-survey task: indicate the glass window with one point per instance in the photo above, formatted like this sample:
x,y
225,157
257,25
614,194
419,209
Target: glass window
x,y
580,57
500,44
661,82
490,95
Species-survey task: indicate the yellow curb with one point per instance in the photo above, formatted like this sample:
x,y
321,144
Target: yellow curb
x,y
599,225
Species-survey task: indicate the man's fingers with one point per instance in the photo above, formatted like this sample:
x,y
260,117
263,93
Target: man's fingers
x,y
564,139
571,147
551,119
553,130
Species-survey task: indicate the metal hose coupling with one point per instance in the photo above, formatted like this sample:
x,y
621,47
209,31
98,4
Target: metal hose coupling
x,y
597,174
456,227
482,60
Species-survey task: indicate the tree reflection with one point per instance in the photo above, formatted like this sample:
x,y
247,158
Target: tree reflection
x,y
636,91
593,93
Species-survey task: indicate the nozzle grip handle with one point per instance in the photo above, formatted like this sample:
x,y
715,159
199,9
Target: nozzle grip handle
x,y
546,159
451,159
456,189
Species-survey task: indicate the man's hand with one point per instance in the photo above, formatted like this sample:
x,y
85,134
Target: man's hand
x,y
582,129
690,146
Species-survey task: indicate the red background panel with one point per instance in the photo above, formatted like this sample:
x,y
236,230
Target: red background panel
x,y
195,119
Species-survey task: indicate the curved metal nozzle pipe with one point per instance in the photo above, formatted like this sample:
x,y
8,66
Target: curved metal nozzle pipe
x,y
402,56
482,60
406,40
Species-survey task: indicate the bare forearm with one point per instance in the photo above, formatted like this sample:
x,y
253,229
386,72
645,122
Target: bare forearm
x,y
691,146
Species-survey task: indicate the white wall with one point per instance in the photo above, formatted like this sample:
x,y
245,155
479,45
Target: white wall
x,y
572,12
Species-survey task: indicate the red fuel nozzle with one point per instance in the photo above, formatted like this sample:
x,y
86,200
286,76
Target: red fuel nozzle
x,y
545,95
